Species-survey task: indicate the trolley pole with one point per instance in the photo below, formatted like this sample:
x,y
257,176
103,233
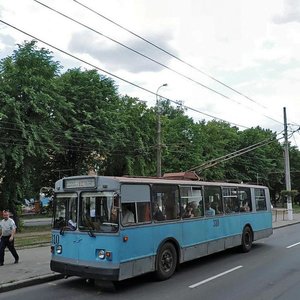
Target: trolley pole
x,y
287,168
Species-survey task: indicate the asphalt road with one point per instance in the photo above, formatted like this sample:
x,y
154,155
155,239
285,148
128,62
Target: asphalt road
x,y
270,271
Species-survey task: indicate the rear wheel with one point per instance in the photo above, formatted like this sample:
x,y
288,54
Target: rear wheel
x,y
247,239
166,261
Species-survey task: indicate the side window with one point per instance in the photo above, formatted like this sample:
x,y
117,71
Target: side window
x,y
212,201
143,212
135,212
260,199
128,213
191,201
135,200
244,198
231,202
166,199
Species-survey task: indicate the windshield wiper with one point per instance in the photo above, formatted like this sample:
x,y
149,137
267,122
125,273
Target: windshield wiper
x,y
91,233
62,230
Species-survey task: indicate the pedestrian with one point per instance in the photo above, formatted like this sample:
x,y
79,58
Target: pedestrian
x,y
8,231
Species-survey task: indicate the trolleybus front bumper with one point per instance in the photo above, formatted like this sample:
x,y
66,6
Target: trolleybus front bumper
x,y
68,269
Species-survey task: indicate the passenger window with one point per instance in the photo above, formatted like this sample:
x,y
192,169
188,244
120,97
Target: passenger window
x,y
143,212
260,199
128,213
212,201
157,213
167,198
191,201
231,202
244,197
136,203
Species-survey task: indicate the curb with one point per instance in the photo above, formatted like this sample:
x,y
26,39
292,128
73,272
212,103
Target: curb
x,y
285,225
29,282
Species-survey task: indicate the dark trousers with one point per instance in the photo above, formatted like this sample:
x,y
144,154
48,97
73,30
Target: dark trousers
x,y
10,245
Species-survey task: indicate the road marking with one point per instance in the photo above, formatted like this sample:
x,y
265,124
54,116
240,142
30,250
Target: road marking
x,y
291,246
214,277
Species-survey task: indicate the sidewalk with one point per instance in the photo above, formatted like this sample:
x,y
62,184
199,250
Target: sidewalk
x,y
34,265
33,268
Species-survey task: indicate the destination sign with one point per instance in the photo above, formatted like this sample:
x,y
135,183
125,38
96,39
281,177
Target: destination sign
x,y
80,183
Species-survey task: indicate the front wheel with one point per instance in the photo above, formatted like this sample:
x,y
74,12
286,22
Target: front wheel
x,y
166,261
247,239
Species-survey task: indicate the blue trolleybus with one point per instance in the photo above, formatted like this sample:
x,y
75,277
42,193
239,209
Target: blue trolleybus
x,y
114,228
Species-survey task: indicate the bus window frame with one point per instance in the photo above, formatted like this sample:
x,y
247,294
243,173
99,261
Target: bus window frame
x,y
184,204
131,198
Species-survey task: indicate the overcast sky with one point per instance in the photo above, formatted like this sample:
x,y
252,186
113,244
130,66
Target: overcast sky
x,y
251,46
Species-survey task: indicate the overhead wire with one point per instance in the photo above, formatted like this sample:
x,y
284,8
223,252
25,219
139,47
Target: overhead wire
x,y
116,76
176,102
176,57
155,61
167,52
77,143
131,49
292,134
213,162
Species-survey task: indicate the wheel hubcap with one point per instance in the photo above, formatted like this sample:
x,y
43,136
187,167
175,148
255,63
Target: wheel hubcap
x,y
166,261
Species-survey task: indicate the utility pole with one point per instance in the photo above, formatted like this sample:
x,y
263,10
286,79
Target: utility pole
x,y
158,171
287,168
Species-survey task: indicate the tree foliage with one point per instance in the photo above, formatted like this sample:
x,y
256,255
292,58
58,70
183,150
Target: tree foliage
x,y
54,124
30,108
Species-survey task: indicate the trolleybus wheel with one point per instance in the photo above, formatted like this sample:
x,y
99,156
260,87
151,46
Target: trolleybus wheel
x,y
166,261
247,239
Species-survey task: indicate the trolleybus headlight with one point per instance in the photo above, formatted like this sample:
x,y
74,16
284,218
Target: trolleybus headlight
x,y
101,254
59,249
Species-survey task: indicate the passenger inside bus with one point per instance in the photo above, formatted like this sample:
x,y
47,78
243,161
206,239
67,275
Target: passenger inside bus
x,y
114,215
209,210
157,213
217,208
191,210
72,225
245,207
127,214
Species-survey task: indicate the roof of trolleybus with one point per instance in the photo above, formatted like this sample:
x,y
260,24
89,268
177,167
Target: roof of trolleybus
x,y
111,182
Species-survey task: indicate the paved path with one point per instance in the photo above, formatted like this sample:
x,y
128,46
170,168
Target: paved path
x,y
34,265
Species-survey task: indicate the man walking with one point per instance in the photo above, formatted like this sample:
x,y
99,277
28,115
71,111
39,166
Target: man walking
x,y
8,230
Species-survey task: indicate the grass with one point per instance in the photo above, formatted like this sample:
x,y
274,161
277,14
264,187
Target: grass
x,y
34,216
296,208
34,229
33,236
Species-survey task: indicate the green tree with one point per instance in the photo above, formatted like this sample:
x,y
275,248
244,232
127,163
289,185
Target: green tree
x,y
181,139
91,131
30,110
262,165
294,155
218,139
134,152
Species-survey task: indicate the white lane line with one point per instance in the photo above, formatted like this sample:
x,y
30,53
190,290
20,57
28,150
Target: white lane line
x,y
291,246
214,277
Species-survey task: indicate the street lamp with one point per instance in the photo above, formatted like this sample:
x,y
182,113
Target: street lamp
x,y
158,170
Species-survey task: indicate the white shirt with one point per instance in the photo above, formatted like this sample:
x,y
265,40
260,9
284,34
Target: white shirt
x,y
128,217
7,226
